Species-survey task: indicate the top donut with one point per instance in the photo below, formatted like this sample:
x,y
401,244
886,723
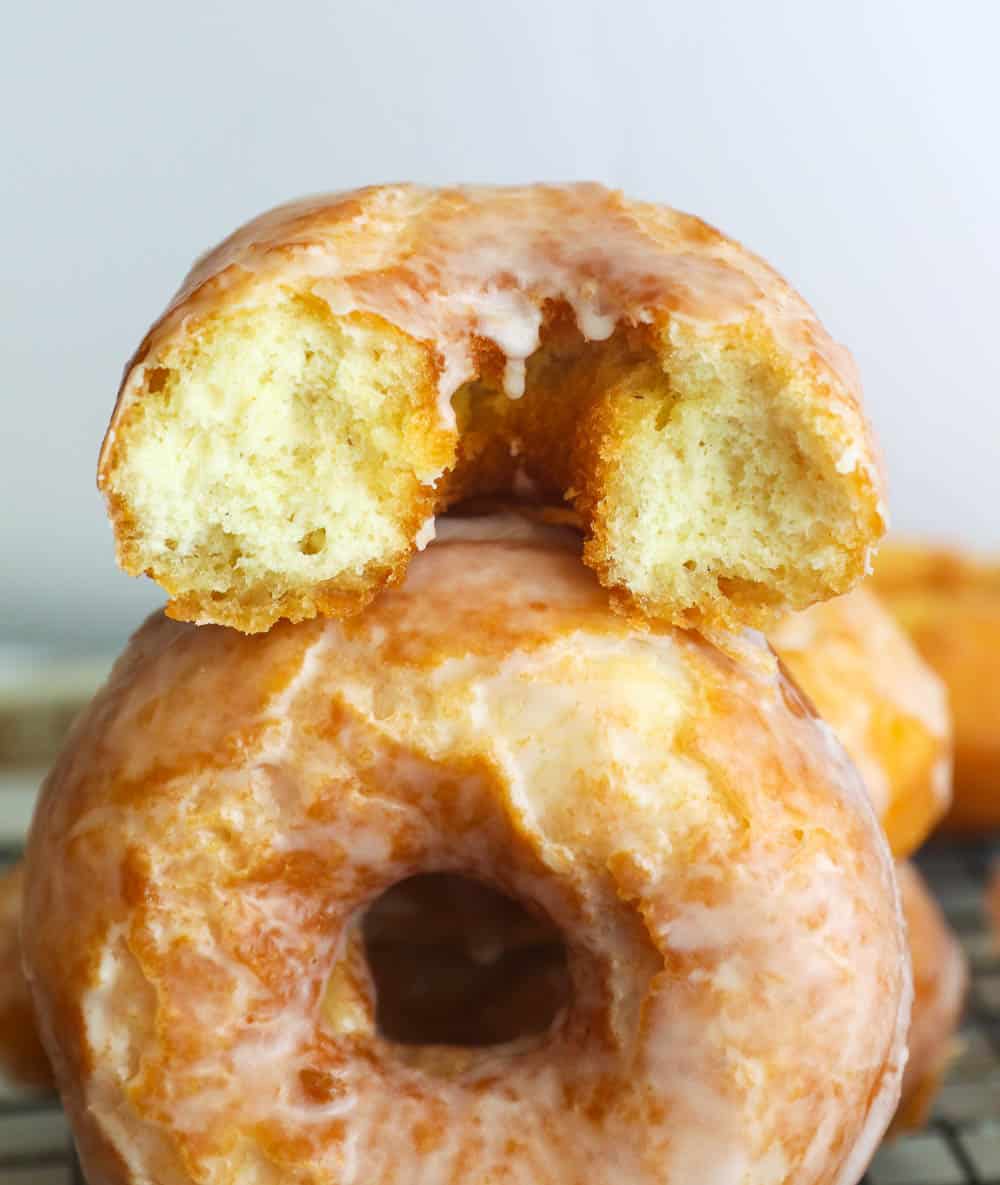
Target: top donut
x,y
344,367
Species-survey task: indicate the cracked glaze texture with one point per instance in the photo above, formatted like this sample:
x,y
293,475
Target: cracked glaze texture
x,y
221,816
458,264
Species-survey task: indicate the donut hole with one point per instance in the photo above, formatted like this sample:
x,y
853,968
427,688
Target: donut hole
x,y
456,962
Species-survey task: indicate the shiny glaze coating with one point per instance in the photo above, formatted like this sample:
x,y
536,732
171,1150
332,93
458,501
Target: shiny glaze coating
x,y
479,276
207,843
473,262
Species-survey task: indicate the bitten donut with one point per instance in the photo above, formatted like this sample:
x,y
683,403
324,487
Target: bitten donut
x,y
222,817
949,604
940,983
887,707
22,1058
342,368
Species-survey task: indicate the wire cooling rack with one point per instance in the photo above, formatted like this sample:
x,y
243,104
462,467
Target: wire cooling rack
x,y
960,1146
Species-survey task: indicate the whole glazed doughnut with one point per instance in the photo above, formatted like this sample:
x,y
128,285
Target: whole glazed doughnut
x,y
739,983
949,604
22,1058
342,368
940,984
887,707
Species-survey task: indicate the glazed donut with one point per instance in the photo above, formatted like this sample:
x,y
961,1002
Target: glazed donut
x,y
739,987
940,984
495,971
887,707
949,604
889,711
22,1058
342,368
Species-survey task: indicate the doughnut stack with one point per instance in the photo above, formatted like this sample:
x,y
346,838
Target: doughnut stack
x,y
470,505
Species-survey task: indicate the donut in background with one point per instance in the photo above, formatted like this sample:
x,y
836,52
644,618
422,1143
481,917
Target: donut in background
x,y
22,1058
940,985
886,705
949,604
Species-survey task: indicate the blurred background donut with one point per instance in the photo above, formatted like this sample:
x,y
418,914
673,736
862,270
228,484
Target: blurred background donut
x,y
948,601
886,705
22,1058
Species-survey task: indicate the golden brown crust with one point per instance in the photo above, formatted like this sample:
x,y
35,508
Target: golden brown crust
x,y
22,1057
256,608
387,241
703,846
885,704
478,277
940,983
522,978
949,604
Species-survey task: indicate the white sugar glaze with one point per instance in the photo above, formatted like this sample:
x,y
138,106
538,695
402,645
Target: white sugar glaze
x,y
453,265
740,991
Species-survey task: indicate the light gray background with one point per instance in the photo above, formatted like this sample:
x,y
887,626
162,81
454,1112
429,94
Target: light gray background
x,y
854,144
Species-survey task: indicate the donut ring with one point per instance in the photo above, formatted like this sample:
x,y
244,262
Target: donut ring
x,y
22,1058
889,711
887,707
949,604
940,985
342,368
700,841
513,991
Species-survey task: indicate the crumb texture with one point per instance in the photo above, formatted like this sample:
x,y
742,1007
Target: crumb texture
x,y
277,450
335,374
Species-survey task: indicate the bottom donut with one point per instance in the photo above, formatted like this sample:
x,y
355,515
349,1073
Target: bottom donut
x,y
455,963
475,966
228,810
